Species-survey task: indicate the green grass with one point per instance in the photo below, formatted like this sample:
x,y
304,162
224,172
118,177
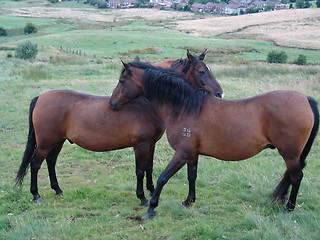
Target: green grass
x,y
99,201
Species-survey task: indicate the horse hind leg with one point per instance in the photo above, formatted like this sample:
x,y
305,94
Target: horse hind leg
x,y
293,176
192,176
51,162
295,166
35,165
296,178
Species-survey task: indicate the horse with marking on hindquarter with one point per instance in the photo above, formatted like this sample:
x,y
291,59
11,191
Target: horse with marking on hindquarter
x,y
86,120
231,130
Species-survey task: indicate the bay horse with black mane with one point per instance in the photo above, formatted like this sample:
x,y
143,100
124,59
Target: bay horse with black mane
x,y
86,120
231,130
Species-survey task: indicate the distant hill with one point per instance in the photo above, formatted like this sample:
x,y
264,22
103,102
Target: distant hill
x,y
292,27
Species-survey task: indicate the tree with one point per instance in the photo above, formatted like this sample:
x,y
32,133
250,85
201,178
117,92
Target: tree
x,y
306,4
301,60
3,32
26,50
277,57
30,28
318,3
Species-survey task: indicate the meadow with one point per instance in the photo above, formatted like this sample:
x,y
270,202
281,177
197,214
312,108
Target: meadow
x,y
99,199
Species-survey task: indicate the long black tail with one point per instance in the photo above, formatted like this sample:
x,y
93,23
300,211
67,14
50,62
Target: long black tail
x,y
282,188
314,106
30,146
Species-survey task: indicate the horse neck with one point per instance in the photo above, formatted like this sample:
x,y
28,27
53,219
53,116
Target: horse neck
x,y
164,111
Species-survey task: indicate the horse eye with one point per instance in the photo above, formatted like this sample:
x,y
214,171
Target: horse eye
x,y
202,72
121,81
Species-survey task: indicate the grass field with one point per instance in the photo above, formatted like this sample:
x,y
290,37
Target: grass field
x,y
99,201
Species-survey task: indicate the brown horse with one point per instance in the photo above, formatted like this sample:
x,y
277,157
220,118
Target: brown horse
x,y
87,121
231,130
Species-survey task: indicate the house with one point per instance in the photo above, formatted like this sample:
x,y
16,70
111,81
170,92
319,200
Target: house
x,y
182,3
166,4
197,7
209,6
234,9
220,8
243,3
280,6
122,3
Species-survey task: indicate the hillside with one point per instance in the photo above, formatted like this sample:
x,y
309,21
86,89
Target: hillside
x,y
294,28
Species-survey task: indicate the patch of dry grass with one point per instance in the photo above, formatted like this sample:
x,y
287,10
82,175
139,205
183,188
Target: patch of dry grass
x,y
110,15
294,27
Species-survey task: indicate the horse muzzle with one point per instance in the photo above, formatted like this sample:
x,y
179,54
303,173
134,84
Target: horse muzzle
x,y
114,105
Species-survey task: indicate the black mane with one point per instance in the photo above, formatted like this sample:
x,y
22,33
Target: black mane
x,y
167,87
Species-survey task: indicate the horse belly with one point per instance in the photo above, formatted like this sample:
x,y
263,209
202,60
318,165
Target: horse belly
x,y
100,140
231,150
234,144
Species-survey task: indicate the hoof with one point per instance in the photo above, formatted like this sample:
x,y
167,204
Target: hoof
x,y
287,210
59,193
186,203
149,214
289,207
38,200
144,202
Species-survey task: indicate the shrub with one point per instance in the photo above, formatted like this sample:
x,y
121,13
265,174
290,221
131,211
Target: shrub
x,y
26,50
301,60
3,32
102,5
277,57
30,28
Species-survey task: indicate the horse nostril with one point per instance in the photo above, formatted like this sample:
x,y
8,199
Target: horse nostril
x,y
220,94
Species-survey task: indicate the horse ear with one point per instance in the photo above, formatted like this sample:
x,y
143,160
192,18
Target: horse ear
x,y
125,65
203,55
190,56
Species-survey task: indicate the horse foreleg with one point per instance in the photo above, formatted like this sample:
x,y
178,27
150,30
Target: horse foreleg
x,y
141,165
51,162
178,161
192,176
149,171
